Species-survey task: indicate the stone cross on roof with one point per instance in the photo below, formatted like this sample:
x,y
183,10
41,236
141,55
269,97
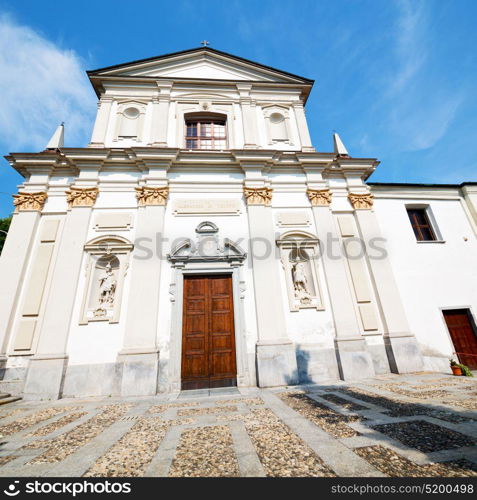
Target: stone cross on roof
x,y
205,43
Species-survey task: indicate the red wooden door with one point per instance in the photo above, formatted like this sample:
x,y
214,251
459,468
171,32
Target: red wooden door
x,y
463,336
208,336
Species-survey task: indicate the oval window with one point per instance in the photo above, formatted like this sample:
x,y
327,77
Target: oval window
x,y
131,113
276,118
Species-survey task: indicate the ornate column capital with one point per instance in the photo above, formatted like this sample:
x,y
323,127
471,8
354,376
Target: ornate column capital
x,y
361,201
319,197
24,201
152,195
258,196
81,197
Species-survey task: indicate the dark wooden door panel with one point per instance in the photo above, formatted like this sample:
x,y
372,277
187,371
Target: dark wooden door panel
x,y
208,338
463,336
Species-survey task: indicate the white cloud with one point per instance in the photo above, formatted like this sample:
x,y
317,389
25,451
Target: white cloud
x,y
410,43
417,105
41,85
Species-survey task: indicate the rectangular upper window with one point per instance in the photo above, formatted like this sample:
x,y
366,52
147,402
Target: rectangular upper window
x,y
205,134
421,224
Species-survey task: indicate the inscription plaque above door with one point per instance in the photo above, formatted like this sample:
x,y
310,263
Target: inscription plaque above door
x,y
212,206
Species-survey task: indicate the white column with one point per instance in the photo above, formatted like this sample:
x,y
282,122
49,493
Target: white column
x,y
14,259
140,354
354,361
302,125
160,115
47,368
249,118
276,357
102,121
402,349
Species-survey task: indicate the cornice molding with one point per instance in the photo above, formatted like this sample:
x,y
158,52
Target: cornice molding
x,y
31,202
150,196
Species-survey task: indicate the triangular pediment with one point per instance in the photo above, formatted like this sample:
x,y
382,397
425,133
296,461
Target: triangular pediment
x,y
202,63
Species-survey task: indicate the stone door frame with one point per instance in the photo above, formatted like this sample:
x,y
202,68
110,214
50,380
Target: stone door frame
x,y
245,372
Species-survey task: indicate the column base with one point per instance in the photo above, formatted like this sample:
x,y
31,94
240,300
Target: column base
x,y
140,372
45,377
379,356
354,360
276,364
316,363
404,354
3,362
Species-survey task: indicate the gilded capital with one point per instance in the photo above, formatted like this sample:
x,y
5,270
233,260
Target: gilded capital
x,y
319,197
258,196
362,201
81,197
29,201
152,195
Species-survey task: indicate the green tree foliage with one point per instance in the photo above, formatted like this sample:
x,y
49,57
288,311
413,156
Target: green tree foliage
x,y
4,225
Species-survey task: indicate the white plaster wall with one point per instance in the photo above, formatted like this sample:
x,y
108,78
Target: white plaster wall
x,y
100,341
306,326
191,96
234,227
17,359
431,276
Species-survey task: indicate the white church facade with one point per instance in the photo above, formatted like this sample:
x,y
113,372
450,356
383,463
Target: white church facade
x,y
200,241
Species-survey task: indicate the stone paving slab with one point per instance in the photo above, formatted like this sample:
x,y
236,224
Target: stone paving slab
x,y
394,425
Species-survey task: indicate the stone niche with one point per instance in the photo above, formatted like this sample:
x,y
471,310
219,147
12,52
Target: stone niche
x,y
277,124
106,265
299,255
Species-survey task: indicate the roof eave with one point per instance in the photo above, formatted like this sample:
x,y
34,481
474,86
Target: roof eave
x,y
200,49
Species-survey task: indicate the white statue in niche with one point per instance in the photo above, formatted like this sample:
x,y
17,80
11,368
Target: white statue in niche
x,y
298,255
300,283
107,287
106,292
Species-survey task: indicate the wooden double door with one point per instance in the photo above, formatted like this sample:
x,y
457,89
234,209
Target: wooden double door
x,y
208,336
462,331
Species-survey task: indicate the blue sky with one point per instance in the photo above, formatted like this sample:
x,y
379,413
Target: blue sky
x,y
396,78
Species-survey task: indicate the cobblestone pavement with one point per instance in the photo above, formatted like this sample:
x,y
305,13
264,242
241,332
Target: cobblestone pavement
x,y
393,425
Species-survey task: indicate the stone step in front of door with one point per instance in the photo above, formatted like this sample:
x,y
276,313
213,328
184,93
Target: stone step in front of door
x,y
7,398
220,391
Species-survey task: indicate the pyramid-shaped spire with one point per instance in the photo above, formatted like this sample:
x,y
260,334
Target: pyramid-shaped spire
x,y
339,147
57,139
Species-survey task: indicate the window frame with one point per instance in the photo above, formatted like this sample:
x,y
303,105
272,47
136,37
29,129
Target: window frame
x,y
419,228
201,120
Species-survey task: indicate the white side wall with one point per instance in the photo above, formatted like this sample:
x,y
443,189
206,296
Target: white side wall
x,y
431,276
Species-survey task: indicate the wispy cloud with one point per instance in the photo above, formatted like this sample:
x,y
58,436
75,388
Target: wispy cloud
x,y
410,46
418,105
41,85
